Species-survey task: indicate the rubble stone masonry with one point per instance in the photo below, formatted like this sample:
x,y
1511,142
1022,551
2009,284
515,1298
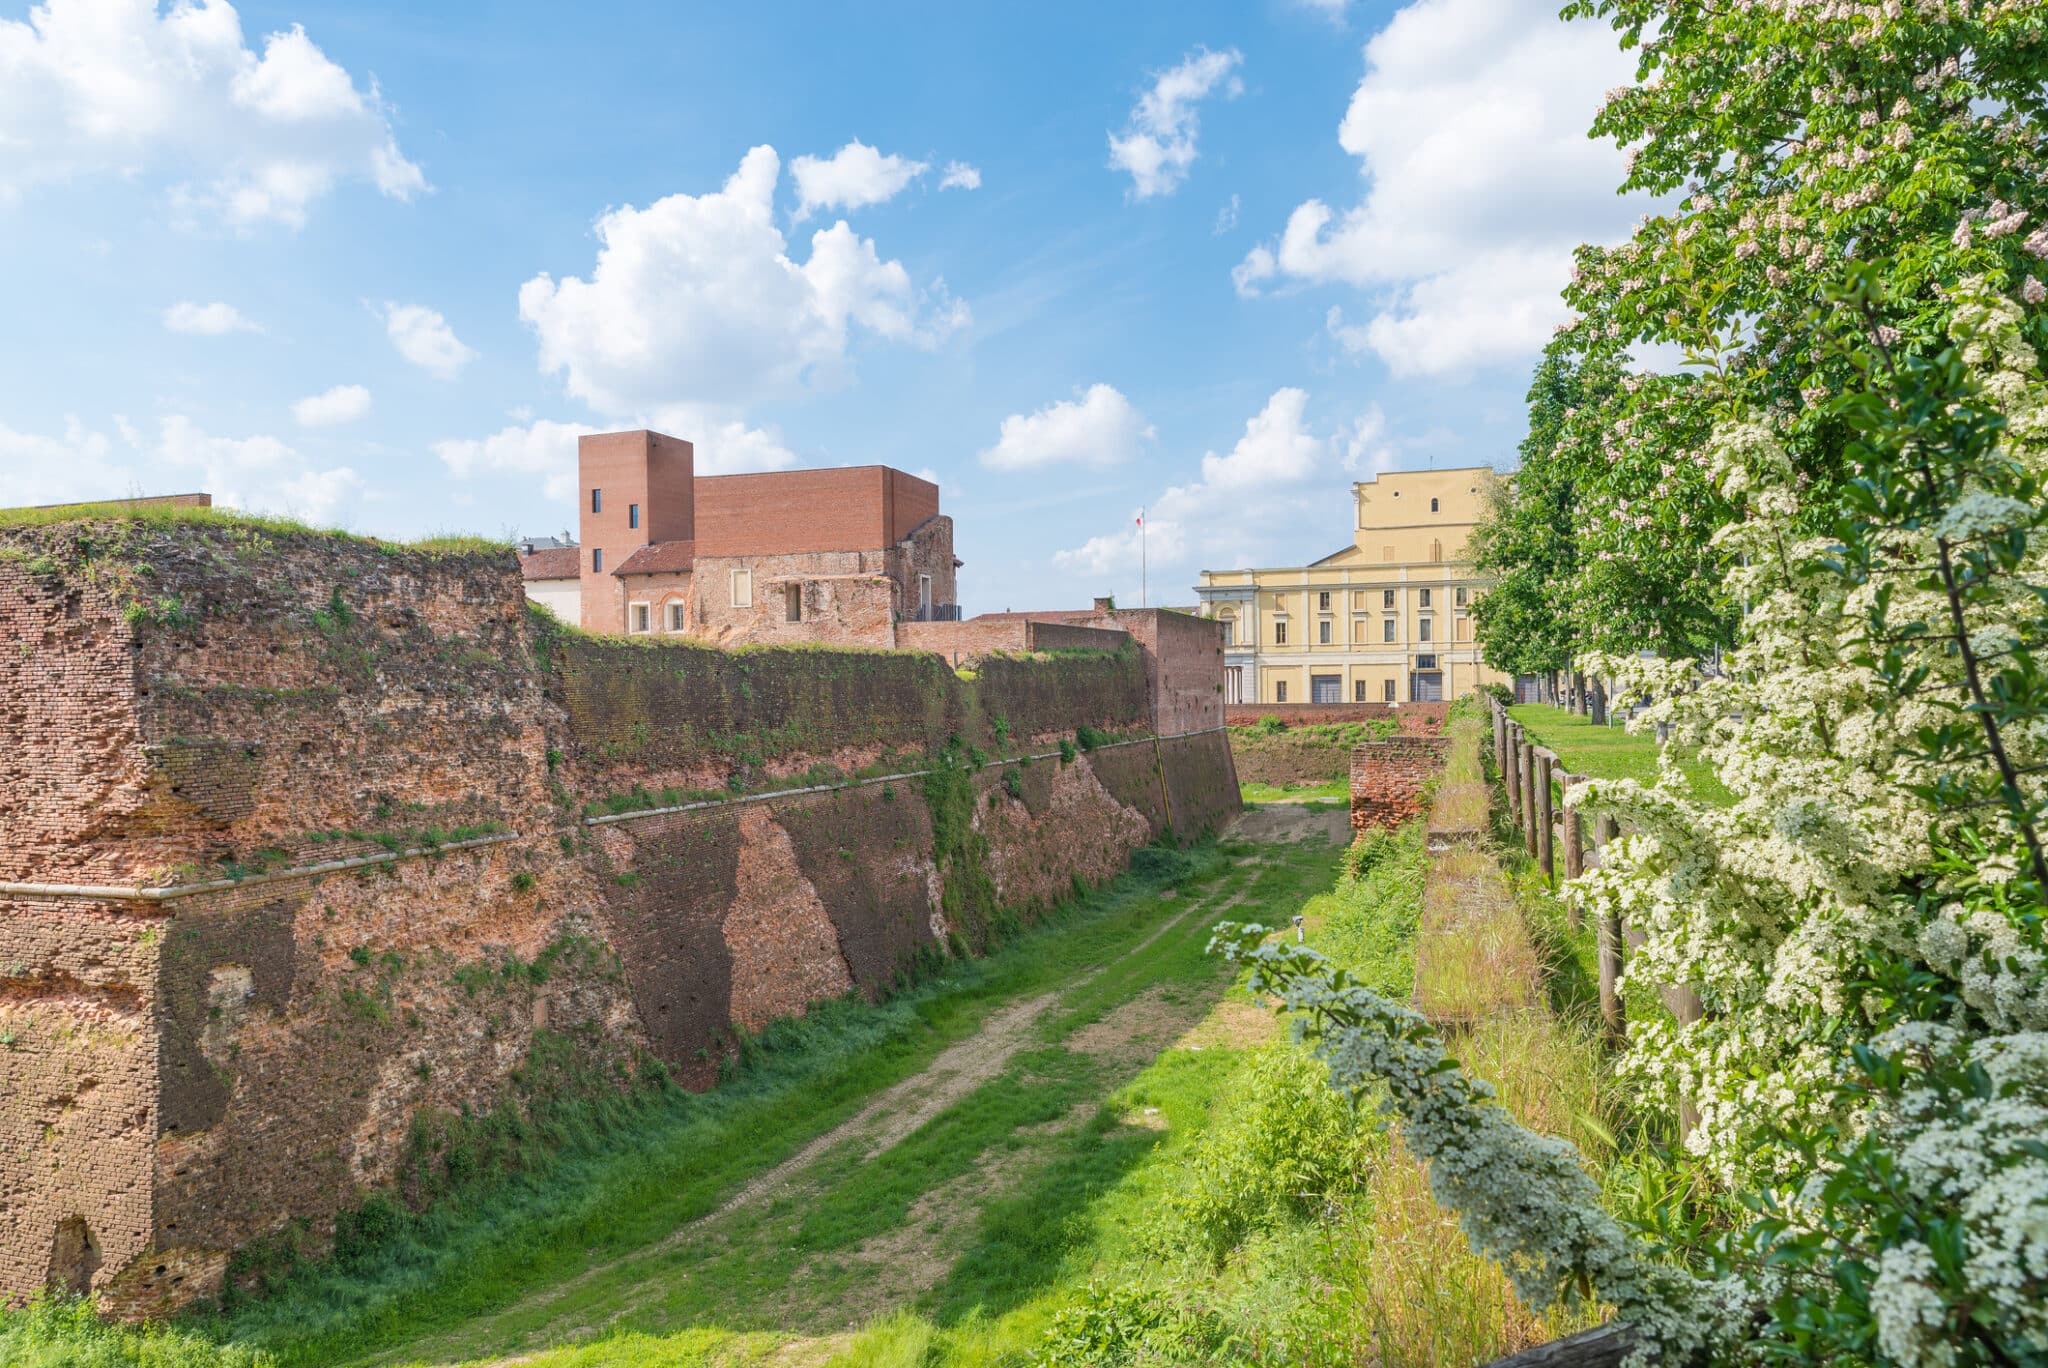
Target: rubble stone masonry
x,y
305,840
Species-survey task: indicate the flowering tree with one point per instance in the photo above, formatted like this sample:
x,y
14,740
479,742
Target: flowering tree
x,y
1785,138
1858,216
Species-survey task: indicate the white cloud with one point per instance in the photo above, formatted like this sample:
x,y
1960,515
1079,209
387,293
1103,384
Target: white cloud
x,y
854,176
1226,217
958,175
1254,498
424,338
1367,450
259,474
1332,10
118,87
342,404
1157,145
544,448
1470,126
696,300
207,320
723,443
1101,428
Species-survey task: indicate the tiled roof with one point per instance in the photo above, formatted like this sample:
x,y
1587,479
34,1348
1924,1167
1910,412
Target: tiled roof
x,y
660,558
552,563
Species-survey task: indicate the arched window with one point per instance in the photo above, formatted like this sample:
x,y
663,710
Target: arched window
x,y
1432,505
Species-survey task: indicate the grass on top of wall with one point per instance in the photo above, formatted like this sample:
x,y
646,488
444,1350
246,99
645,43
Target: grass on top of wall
x,y
1612,752
173,515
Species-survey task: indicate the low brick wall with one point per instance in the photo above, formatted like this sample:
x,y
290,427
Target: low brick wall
x,y
976,637
1387,778
1420,718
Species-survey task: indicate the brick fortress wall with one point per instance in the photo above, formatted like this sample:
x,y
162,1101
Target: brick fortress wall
x,y
1388,778
280,724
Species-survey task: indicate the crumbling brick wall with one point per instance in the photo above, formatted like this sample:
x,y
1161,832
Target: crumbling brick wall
x,y
307,860
1388,778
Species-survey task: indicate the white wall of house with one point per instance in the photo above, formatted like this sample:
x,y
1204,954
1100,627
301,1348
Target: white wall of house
x,y
563,597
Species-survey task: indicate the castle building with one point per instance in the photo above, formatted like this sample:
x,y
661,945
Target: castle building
x,y
839,555
1387,619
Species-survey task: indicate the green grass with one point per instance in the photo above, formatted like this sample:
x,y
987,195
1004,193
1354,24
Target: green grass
x,y
1611,752
164,515
594,1223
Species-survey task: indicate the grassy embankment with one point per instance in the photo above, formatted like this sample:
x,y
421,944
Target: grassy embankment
x,y
1611,752
1151,1171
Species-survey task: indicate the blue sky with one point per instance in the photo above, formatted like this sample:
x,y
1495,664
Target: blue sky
x,y
377,265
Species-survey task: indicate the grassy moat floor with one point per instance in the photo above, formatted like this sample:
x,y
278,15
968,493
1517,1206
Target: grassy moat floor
x,y
1087,1142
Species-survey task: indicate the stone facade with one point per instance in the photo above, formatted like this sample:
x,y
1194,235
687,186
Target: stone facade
x,y
1388,778
313,840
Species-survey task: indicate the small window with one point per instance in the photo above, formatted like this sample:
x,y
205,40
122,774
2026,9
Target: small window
x,y
1422,628
1229,625
1425,598
924,592
597,501
1387,629
597,560
1280,633
1323,601
632,515
678,615
1386,598
793,603
642,614
1458,595
742,588
1280,691
1387,691
1324,635
1358,691
1432,505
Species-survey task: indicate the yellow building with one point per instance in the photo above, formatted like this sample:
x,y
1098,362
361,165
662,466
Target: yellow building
x,y
1387,619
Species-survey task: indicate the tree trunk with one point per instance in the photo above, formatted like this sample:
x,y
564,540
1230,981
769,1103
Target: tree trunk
x,y
1599,703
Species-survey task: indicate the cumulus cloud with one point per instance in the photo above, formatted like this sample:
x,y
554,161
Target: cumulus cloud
x,y
1470,127
1100,428
696,299
1157,145
119,87
424,338
258,473
854,176
1252,498
207,320
342,404
543,449
958,175
1367,450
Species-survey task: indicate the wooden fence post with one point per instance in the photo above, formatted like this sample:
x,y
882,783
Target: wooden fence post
x,y
1529,794
1574,843
1614,1025
1546,852
1511,773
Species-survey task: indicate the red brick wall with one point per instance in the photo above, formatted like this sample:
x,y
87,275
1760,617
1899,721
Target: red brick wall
x,y
1387,779
1418,718
656,591
209,702
852,509
966,640
654,471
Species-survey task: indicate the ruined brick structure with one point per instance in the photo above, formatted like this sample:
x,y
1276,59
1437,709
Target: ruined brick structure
x,y
840,555
1421,719
309,838
1388,778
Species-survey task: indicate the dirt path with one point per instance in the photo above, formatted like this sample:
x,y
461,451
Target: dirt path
x,y
890,1117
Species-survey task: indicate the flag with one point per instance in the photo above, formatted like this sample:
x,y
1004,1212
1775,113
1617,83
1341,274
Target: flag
x,y
1141,519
